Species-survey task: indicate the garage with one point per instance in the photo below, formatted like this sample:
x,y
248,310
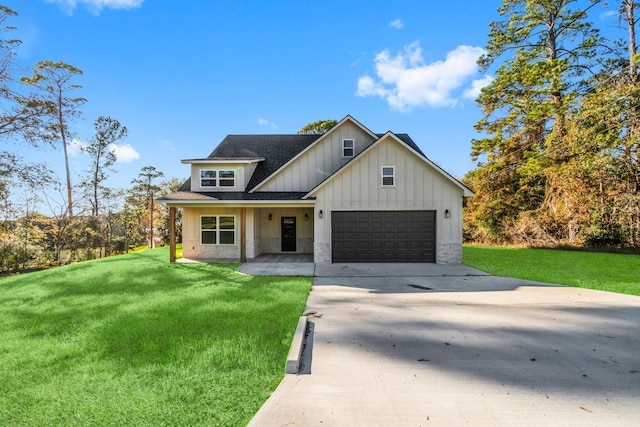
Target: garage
x,y
383,236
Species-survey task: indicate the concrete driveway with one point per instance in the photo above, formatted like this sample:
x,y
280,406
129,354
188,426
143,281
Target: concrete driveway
x,y
396,346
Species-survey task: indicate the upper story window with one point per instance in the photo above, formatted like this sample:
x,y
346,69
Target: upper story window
x,y
388,176
217,178
348,146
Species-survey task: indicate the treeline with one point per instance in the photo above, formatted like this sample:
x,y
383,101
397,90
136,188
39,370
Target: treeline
x,y
46,221
558,163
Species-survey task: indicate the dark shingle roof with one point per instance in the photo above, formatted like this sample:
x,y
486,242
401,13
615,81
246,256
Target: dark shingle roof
x,y
407,140
186,195
275,149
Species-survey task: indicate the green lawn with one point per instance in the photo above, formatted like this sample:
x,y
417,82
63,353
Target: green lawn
x,y
594,270
135,340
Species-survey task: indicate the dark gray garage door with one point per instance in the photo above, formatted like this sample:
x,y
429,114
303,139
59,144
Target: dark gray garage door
x,y
383,236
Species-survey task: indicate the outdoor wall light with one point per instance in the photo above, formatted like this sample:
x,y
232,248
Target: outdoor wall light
x,y
320,213
270,217
447,214
306,217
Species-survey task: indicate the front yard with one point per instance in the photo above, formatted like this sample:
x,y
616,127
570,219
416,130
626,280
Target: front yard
x,y
593,270
135,340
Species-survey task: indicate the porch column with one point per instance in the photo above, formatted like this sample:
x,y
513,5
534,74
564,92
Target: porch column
x,y
243,234
172,234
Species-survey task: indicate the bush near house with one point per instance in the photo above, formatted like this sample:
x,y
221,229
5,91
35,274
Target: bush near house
x,y
136,340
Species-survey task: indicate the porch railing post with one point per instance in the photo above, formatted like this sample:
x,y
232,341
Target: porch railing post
x,y
243,235
172,234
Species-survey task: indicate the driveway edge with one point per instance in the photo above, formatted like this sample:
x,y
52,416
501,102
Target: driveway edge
x,y
295,352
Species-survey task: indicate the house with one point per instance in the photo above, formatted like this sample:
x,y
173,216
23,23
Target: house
x,y
349,195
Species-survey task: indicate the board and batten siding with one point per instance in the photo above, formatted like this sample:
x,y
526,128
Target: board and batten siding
x,y
320,161
418,186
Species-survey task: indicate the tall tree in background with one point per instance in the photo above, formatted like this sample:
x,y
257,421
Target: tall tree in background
x,y
99,149
144,185
54,80
21,114
545,49
318,127
167,187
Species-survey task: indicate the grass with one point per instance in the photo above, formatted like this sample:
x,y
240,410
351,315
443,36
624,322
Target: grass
x,y
135,340
593,270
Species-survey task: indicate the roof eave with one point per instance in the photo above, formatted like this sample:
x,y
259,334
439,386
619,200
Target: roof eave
x,y
221,161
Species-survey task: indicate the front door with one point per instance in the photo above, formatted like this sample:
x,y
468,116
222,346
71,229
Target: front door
x,y
288,234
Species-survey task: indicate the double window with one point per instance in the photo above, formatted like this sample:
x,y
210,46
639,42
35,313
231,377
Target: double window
x,y
218,230
348,147
217,178
388,176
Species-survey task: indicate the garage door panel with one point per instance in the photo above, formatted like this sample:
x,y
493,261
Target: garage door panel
x,y
383,236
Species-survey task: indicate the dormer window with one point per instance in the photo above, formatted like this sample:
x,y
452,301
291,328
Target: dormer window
x,y
217,178
348,147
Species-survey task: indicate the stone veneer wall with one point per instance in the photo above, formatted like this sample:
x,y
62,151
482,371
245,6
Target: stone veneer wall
x,y
321,253
449,253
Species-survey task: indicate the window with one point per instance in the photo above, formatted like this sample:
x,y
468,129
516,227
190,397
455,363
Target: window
x,y
347,147
388,176
218,230
217,178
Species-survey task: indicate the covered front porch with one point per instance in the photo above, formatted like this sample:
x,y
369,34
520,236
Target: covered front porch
x,y
247,233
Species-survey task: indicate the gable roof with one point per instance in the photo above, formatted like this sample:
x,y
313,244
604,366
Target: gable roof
x,y
276,150
409,146
318,139
406,139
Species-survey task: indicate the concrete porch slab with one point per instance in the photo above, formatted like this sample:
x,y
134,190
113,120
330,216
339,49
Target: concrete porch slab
x,y
277,269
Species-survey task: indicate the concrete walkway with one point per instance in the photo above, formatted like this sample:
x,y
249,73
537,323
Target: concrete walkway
x,y
414,349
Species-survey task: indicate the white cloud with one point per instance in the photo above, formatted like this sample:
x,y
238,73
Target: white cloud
x,y
75,147
396,24
265,122
476,86
95,6
406,81
125,153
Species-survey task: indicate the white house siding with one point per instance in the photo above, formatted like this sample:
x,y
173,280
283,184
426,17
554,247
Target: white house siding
x,y
191,245
319,162
418,186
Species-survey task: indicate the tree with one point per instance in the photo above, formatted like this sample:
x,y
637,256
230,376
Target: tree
x,y
108,131
54,82
167,187
144,186
318,127
545,48
20,113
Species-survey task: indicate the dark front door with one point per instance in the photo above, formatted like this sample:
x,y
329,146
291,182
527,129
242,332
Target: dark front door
x,y
288,234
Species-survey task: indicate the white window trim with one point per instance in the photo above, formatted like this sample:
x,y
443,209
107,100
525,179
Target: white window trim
x,y
352,148
217,230
383,176
217,178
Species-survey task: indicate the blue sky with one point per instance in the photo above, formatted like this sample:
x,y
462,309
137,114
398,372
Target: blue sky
x,y
183,74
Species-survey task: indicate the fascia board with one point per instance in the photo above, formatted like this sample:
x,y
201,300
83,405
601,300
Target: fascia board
x,y
466,191
226,161
239,203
